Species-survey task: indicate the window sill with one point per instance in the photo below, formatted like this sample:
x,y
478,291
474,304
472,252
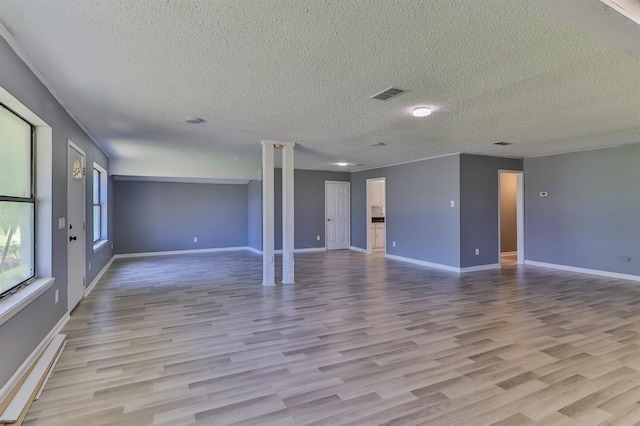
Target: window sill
x,y
99,245
13,304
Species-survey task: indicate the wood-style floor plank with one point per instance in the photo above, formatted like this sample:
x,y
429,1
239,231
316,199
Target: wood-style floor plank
x,y
358,340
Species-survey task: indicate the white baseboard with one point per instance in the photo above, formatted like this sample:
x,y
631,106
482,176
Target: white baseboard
x,y
480,267
4,391
309,250
174,252
97,278
358,249
422,263
253,250
583,270
298,250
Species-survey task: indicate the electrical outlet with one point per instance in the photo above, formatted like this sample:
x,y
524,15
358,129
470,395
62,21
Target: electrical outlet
x,y
195,239
317,237
393,243
111,246
89,265
477,252
56,296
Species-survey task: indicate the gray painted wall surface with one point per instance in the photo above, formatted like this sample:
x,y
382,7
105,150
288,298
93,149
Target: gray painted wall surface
x,y
508,212
590,218
21,334
254,218
162,216
419,216
309,206
479,207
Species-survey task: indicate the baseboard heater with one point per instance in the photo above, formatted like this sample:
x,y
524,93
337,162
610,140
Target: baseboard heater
x,y
15,406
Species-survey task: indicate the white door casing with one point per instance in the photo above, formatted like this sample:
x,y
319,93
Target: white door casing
x,y
337,215
519,214
76,233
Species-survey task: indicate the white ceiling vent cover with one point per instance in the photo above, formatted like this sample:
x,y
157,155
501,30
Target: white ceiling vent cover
x,y
391,92
629,8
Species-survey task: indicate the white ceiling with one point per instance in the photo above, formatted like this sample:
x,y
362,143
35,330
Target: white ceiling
x,y
129,71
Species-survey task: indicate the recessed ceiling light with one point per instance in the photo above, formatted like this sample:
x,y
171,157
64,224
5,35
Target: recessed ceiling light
x,y
421,111
343,164
378,144
193,120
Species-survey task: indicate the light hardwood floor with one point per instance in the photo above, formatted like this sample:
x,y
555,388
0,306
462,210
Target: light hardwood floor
x,y
195,339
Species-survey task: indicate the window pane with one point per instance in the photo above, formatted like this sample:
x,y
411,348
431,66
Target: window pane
x,y
16,244
96,186
96,223
15,155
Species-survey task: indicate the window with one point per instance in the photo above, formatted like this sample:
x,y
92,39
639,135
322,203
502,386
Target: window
x,y
99,206
17,202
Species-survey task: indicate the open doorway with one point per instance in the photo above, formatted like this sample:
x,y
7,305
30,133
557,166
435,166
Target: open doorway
x,y
376,215
511,218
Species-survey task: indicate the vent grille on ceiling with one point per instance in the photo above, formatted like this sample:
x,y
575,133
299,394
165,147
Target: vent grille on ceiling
x,y
391,92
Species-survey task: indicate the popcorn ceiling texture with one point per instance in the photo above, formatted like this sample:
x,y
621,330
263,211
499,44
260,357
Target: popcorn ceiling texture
x,y
303,71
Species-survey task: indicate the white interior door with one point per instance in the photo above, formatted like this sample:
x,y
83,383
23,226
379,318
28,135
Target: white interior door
x,y
338,215
75,225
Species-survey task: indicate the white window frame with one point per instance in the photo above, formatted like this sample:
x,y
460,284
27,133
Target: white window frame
x,y
43,143
104,207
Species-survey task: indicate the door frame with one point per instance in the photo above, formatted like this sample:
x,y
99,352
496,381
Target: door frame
x,y
519,214
368,215
83,238
326,212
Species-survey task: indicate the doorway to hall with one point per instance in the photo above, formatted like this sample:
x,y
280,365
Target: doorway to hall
x,y
376,215
511,218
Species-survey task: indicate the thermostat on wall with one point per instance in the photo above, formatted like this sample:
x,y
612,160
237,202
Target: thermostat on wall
x,y
544,194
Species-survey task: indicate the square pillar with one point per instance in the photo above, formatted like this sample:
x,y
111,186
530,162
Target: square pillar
x,y
287,213
268,215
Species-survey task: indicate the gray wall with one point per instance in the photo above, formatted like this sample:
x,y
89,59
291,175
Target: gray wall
x,y
162,216
590,218
254,218
309,206
21,334
508,212
479,207
419,216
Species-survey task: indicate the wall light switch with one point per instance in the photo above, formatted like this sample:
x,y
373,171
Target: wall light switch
x,y
393,244
453,203
62,223
89,265
317,237
56,296
477,252
195,239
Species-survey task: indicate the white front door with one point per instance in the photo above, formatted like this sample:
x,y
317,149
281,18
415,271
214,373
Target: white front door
x,y
75,225
338,215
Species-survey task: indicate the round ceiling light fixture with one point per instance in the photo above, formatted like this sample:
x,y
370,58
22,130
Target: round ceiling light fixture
x,y
193,120
343,164
421,111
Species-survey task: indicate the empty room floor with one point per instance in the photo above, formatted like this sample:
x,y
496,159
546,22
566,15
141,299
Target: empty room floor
x,y
195,339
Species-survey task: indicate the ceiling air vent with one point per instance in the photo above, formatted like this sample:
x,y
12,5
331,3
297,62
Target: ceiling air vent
x,y
391,92
502,143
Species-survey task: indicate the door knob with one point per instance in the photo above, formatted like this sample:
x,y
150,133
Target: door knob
x,y
73,238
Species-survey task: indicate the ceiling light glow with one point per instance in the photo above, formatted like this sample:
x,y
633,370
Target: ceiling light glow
x,y
421,111
343,164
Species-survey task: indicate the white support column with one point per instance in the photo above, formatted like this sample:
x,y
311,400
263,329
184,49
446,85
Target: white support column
x,y
287,214
268,231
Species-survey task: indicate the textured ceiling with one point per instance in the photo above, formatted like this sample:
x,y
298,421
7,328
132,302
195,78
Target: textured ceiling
x,y
303,70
